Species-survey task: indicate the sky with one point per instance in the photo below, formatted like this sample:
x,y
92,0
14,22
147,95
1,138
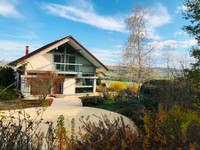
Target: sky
x,y
99,25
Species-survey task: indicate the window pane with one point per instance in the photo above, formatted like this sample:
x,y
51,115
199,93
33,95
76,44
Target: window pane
x,y
58,66
62,67
71,67
62,59
57,58
66,59
71,59
61,48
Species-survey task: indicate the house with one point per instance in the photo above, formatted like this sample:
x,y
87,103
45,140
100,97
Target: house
x,y
66,57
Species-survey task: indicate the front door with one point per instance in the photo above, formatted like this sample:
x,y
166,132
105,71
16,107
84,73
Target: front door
x,y
69,86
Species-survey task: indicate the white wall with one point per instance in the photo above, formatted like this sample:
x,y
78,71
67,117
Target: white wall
x,y
42,63
69,86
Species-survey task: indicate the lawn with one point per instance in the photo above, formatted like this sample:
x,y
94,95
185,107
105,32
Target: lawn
x,y
108,105
20,104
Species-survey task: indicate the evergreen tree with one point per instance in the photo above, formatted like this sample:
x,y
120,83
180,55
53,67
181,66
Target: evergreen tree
x,y
193,15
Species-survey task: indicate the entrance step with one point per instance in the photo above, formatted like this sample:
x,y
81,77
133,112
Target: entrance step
x,y
59,96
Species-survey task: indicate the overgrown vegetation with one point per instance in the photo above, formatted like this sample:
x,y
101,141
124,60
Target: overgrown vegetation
x,y
23,132
8,90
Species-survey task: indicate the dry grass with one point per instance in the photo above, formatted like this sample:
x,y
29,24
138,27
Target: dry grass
x,y
25,103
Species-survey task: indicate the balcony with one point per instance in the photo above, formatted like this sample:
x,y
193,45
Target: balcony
x,y
66,67
71,67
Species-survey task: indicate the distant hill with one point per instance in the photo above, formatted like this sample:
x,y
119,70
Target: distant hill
x,y
118,73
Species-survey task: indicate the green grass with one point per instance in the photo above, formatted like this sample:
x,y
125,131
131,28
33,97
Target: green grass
x,y
108,105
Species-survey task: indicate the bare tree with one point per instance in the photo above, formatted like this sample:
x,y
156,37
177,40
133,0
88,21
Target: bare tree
x,y
43,84
137,47
168,55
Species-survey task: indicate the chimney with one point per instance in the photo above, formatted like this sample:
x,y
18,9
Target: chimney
x,y
27,48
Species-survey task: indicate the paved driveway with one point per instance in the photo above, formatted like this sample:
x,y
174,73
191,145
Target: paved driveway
x,y
71,107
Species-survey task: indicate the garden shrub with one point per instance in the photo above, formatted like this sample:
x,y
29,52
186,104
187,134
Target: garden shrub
x,y
193,133
111,89
117,86
111,97
98,81
120,96
7,76
168,93
98,88
162,130
92,100
20,133
105,92
149,103
108,135
132,89
8,94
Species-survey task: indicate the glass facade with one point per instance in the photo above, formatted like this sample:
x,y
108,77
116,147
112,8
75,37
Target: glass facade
x,y
66,58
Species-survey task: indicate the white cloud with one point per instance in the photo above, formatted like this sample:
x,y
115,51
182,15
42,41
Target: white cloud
x,y
160,17
27,35
178,33
110,39
178,60
83,11
110,32
7,9
164,44
154,35
117,46
173,44
10,50
156,54
12,46
188,43
181,8
108,56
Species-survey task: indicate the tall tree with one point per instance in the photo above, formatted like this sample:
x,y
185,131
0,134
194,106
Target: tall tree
x,y
137,47
193,15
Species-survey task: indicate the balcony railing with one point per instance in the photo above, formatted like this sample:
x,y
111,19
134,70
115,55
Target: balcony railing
x,y
68,67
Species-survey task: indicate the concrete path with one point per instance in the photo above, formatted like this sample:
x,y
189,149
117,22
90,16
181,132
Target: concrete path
x,y
71,107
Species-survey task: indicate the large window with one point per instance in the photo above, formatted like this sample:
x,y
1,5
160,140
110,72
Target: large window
x,y
59,59
71,60
84,82
63,60
84,90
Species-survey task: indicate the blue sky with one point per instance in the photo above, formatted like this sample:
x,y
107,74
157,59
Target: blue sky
x,y
97,24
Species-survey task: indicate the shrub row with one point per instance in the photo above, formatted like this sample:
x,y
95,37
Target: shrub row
x,y
163,130
92,100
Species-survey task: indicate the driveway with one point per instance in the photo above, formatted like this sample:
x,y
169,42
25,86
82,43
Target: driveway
x,y
71,107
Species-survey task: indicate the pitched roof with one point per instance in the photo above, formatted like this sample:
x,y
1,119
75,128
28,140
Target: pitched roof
x,y
14,63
